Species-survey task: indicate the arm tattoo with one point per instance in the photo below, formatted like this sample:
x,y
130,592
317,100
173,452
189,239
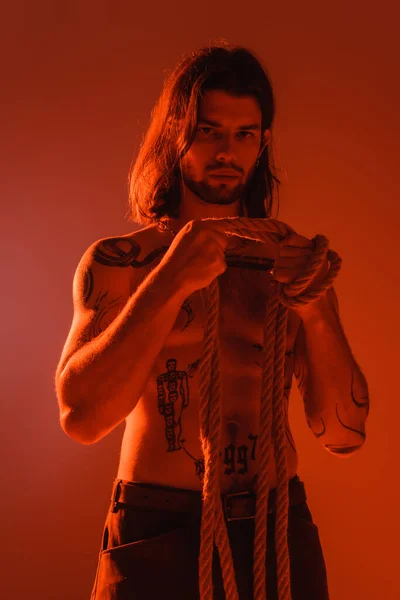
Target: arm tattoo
x,y
110,254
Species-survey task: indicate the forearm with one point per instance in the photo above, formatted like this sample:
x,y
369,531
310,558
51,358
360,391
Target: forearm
x,y
336,393
103,381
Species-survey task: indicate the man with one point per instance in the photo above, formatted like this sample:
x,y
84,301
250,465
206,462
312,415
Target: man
x,y
134,348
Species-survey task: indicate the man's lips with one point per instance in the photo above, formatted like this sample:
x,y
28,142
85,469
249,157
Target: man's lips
x,y
219,176
224,173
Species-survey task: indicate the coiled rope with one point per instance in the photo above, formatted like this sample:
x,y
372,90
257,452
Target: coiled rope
x,y
272,425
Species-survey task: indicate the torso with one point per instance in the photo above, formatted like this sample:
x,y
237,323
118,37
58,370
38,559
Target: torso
x,y
161,442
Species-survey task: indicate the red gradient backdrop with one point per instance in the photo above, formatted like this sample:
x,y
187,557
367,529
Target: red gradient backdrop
x,y
78,84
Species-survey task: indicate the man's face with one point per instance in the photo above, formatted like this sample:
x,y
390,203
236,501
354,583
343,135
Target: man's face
x,y
228,136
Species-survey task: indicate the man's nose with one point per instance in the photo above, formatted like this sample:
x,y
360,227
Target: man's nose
x,y
226,148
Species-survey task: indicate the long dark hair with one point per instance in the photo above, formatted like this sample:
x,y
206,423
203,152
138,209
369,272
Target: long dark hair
x,y
154,178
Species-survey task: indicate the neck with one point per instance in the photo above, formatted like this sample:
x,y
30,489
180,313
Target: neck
x,y
204,212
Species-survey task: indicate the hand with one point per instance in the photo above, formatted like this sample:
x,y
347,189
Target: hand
x,y
197,254
294,252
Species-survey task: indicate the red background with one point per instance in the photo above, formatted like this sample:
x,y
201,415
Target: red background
x,y
78,83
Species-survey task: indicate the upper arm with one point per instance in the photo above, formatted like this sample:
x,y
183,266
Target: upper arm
x,y
100,289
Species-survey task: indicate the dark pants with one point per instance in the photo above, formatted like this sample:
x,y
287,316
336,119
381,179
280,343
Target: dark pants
x,y
153,554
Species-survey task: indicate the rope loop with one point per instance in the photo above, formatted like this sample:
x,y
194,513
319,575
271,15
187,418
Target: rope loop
x,y
295,294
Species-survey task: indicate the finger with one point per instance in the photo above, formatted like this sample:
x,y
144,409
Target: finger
x,y
291,262
285,275
291,252
217,230
295,240
221,230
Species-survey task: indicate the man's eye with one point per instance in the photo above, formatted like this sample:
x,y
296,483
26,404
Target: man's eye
x,y
250,133
205,129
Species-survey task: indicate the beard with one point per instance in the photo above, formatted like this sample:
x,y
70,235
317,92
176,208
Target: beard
x,y
221,193
237,286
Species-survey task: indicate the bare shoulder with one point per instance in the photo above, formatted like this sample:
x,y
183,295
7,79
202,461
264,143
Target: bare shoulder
x,y
120,250
136,252
107,274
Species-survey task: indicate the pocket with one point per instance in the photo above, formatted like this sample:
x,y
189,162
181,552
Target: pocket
x,y
149,568
141,551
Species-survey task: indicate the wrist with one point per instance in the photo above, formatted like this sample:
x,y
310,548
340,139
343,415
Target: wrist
x,y
316,309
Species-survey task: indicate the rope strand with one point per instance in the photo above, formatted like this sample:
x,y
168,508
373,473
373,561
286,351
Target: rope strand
x,y
272,419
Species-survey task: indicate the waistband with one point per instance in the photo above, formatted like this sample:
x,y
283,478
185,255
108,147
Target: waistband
x,y
237,505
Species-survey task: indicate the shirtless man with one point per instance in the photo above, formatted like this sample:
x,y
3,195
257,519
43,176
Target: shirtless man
x,y
134,349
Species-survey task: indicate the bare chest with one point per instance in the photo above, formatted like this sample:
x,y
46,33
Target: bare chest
x,y
241,340
161,442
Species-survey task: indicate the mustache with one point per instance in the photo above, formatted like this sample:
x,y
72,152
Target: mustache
x,y
219,168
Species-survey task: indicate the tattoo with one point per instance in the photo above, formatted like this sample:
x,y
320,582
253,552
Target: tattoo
x,y
198,463
236,464
260,348
342,449
107,252
105,313
110,254
361,433
87,284
186,306
113,252
332,447
321,433
300,372
338,448
230,459
173,398
364,399
193,368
